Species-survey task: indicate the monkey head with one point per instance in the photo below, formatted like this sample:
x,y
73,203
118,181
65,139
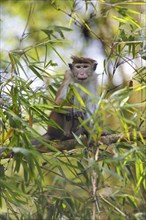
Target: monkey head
x,y
82,68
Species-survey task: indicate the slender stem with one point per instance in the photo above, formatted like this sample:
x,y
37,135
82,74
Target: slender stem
x,y
95,208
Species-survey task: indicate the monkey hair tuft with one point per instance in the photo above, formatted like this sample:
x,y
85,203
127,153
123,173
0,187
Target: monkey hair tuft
x,y
82,60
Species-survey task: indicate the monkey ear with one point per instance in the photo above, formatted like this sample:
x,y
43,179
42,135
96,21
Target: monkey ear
x,y
70,66
94,66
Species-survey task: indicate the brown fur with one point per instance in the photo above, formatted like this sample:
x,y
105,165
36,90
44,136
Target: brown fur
x,y
82,60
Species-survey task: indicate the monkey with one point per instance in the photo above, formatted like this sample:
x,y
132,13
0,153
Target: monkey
x,y
81,71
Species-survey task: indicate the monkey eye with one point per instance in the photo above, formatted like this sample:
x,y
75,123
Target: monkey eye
x,y
78,67
85,66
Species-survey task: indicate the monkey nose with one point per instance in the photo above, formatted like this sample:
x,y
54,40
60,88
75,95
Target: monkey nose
x,y
82,77
82,73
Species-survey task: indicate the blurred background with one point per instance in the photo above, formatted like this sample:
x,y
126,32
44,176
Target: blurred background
x,y
54,30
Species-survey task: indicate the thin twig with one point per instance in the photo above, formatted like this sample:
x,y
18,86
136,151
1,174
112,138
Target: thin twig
x,y
94,176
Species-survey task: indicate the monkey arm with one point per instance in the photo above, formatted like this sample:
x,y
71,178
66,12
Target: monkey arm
x,y
63,89
61,97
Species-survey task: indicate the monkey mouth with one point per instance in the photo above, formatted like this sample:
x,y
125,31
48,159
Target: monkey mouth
x,y
82,78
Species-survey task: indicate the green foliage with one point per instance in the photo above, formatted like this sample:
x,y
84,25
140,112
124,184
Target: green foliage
x,y
104,182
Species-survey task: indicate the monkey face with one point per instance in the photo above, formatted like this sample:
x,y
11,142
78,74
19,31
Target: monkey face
x,y
81,71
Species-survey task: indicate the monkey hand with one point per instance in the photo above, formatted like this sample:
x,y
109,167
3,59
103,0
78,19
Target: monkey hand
x,y
75,115
79,114
69,116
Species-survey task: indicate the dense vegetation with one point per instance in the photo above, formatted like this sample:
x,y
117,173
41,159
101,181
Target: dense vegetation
x,y
107,181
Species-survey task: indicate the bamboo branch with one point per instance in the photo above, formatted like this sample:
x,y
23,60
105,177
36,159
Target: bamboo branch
x,y
106,140
71,144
